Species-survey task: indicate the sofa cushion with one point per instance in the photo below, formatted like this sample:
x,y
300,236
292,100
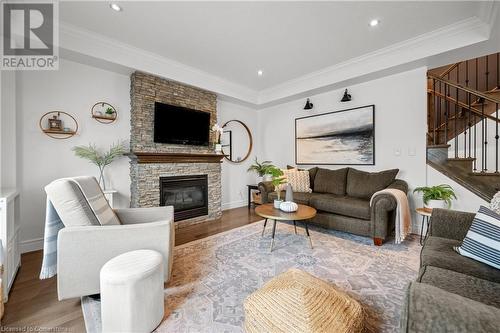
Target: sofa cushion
x,y
480,290
298,197
341,205
330,181
430,309
482,242
362,184
439,252
298,179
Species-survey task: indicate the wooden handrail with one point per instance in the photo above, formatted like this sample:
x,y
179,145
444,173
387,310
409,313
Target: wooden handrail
x,y
462,105
458,86
449,69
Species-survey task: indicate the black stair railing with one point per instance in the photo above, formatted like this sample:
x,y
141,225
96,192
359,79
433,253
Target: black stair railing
x,y
462,111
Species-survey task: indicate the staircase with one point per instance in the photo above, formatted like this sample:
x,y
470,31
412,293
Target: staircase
x,y
463,123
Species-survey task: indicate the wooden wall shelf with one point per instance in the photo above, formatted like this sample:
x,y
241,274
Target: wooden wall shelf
x,y
146,157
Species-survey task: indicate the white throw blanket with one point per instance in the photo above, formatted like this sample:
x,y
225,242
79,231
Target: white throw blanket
x,y
52,226
403,215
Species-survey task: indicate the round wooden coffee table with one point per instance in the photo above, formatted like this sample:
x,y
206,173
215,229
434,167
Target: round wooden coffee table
x,y
268,212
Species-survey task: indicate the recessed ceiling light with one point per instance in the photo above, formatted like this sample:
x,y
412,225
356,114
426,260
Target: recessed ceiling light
x,y
374,23
260,72
115,7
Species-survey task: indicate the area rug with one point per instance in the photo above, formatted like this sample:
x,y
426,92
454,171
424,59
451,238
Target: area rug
x,y
213,276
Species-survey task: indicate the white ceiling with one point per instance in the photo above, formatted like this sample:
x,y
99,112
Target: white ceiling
x,y
287,40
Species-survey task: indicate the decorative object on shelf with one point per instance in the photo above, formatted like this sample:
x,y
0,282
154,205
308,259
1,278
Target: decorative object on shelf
x,y
218,130
308,105
262,170
99,158
439,196
104,112
288,192
344,137
237,141
347,97
278,180
56,124
289,206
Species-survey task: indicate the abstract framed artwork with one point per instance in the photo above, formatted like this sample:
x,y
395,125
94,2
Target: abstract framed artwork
x,y
344,137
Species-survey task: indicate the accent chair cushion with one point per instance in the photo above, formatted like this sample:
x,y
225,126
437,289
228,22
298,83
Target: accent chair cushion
x,y
70,203
330,181
439,252
482,242
362,184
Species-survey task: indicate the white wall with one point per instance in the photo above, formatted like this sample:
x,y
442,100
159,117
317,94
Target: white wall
x,y
8,146
74,88
400,125
234,175
466,200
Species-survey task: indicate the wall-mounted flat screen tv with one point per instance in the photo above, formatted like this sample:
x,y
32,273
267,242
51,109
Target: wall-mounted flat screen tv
x,y
179,125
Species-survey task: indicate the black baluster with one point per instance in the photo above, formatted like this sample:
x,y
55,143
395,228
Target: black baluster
x,y
446,112
455,124
435,101
487,73
483,137
496,137
469,122
475,142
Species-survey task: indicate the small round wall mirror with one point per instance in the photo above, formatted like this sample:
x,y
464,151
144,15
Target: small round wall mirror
x,y
236,141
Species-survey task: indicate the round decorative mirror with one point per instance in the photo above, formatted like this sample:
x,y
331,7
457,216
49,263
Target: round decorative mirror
x,y
236,141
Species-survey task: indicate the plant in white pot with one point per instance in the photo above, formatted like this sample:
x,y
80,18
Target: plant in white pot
x,y
277,180
439,196
261,169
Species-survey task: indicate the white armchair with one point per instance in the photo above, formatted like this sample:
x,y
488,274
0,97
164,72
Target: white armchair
x,y
84,247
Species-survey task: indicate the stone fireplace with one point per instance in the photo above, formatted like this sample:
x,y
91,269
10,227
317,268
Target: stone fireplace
x,y
153,164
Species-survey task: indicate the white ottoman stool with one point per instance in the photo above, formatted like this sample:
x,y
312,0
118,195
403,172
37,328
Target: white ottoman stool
x,y
132,292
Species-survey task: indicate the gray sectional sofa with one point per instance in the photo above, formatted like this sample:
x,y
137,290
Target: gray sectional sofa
x,y
452,293
342,199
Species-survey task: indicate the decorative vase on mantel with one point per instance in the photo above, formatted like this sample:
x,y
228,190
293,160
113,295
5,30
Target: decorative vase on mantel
x,y
218,148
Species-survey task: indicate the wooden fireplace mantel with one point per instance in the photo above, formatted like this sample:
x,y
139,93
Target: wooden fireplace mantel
x,y
148,157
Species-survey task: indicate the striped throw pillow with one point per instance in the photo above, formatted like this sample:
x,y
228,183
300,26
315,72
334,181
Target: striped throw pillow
x,y
482,242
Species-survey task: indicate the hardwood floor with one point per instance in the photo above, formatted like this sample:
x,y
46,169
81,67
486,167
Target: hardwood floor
x,y
33,302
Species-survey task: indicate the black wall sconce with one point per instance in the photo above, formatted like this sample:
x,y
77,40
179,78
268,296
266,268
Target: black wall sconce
x,y
347,97
308,105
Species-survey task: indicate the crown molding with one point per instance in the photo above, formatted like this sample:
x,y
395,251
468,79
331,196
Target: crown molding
x,y
460,34
77,44
75,40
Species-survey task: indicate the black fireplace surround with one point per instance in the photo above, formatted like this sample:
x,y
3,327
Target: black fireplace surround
x,y
188,195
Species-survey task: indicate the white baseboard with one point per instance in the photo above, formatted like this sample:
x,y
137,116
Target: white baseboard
x,y
234,204
31,245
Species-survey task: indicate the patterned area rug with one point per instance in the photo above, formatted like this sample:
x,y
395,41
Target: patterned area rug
x,y
213,276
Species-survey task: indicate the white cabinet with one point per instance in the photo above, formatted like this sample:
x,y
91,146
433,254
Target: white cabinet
x,y
9,234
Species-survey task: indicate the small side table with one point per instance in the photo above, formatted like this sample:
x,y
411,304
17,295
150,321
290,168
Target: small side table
x,y
426,214
109,195
251,187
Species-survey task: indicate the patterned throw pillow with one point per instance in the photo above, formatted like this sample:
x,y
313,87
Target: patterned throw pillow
x,y
482,242
495,203
299,179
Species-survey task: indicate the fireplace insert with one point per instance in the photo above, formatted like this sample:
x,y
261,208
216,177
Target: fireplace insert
x,y
188,195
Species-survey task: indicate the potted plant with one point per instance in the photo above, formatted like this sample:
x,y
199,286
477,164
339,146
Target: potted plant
x,y
261,169
110,113
439,196
101,159
277,180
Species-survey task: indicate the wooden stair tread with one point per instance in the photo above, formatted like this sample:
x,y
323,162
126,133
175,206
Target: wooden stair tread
x,y
485,174
438,146
461,159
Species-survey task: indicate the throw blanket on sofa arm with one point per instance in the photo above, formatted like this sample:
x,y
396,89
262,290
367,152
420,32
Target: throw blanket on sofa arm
x,y
403,215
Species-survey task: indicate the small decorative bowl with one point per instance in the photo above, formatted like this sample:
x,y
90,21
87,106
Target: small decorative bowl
x,y
289,206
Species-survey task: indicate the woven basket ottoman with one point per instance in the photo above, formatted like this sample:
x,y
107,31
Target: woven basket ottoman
x,y
297,302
